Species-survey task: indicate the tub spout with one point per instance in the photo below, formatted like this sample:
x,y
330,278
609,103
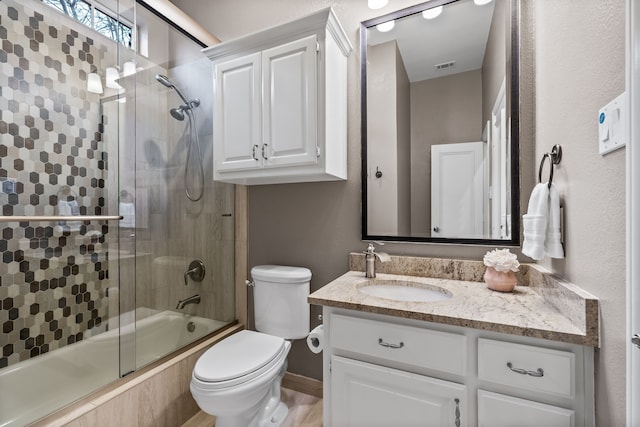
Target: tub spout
x,y
194,299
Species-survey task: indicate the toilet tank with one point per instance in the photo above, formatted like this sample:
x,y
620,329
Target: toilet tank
x,y
280,304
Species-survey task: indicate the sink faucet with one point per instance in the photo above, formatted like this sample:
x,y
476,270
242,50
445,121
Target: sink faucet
x,y
370,260
194,299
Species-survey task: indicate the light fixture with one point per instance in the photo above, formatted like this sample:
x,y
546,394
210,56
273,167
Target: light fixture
x,y
377,4
386,26
481,2
94,83
128,68
432,13
111,77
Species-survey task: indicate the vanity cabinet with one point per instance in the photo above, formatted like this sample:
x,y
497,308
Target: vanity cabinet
x,y
499,410
380,377
280,103
367,394
384,370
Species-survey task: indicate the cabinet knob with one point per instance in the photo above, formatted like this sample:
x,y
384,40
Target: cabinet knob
x,y
636,340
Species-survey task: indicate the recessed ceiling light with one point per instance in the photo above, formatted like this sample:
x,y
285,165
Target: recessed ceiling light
x,y
377,4
432,13
481,2
386,26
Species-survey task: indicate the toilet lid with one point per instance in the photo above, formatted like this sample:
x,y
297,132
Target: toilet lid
x,y
237,356
280,274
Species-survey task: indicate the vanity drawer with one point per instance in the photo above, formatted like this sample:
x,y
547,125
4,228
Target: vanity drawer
x,y
419,347
527,367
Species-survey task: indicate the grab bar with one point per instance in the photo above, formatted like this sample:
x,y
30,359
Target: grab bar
x,y
43,218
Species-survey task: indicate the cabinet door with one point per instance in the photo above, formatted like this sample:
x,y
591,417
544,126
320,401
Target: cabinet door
x,y
498,410
237,121
369,395
289,105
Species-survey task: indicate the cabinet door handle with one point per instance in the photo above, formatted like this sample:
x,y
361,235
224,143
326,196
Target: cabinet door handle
x,y
538,373
457,412
389,345
264,151
253,152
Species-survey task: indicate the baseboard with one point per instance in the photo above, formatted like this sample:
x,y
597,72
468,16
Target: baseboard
x,y
302,384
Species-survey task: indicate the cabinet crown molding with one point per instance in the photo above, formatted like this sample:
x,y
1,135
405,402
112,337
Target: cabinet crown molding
x,y
314,23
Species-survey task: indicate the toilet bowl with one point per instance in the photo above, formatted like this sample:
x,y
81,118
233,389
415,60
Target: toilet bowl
x,y
238,379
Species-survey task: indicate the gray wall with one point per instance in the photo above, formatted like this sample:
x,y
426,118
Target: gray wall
x,y
493,68
579,68
573,65
389,135
382,131
445,110
403,118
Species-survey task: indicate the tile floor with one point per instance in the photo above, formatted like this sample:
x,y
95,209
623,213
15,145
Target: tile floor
x,y
304,411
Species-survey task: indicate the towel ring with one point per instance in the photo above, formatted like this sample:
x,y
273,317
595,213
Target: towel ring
x,y
554,159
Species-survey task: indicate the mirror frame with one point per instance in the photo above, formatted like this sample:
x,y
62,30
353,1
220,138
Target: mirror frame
x,y
513,59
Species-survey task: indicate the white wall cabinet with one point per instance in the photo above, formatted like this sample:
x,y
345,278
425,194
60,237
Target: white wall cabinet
x,y
382,370
280,103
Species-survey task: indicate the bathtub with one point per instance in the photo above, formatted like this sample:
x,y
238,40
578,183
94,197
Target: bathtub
x,y
36,387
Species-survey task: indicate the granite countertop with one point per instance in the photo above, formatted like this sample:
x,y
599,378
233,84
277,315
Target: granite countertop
x,y
541,306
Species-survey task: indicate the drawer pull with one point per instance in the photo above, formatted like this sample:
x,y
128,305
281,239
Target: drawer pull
x,y
538,373
389,345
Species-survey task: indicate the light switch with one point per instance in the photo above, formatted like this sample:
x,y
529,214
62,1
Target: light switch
x,y
611,125
604,127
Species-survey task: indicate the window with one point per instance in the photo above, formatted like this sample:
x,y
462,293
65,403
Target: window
x,y
97,18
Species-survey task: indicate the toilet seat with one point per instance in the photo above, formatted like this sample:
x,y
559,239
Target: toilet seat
x,y
239,358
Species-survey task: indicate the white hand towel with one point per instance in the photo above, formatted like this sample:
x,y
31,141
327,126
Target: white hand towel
x,y
534,222
552,244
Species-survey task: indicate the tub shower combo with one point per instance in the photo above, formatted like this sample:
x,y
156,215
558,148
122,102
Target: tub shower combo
x,y
115,250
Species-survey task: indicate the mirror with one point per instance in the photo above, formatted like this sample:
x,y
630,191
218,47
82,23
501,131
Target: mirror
x,y
440,123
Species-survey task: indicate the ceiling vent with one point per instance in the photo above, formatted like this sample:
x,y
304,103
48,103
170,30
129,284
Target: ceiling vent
x,y
445,66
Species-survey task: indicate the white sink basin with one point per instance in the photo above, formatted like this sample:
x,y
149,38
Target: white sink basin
x,y
401,290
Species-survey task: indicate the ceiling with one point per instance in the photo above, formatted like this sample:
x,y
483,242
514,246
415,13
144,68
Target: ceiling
x,y
459,34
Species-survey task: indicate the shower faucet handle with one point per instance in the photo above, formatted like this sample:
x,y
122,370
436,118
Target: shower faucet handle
x,y
196,272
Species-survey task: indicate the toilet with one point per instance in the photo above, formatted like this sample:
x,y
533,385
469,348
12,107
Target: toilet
x,y
238,379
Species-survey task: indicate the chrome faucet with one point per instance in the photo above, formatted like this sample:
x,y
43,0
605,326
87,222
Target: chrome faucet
x,y
194,299
370,260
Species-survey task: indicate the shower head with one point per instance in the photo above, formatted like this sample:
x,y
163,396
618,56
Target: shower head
x,y
164,80
177,113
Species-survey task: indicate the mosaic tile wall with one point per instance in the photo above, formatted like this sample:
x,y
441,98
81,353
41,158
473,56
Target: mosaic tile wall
x,y
52,276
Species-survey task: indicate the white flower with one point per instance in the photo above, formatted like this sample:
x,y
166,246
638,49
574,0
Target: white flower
x,y
501,260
